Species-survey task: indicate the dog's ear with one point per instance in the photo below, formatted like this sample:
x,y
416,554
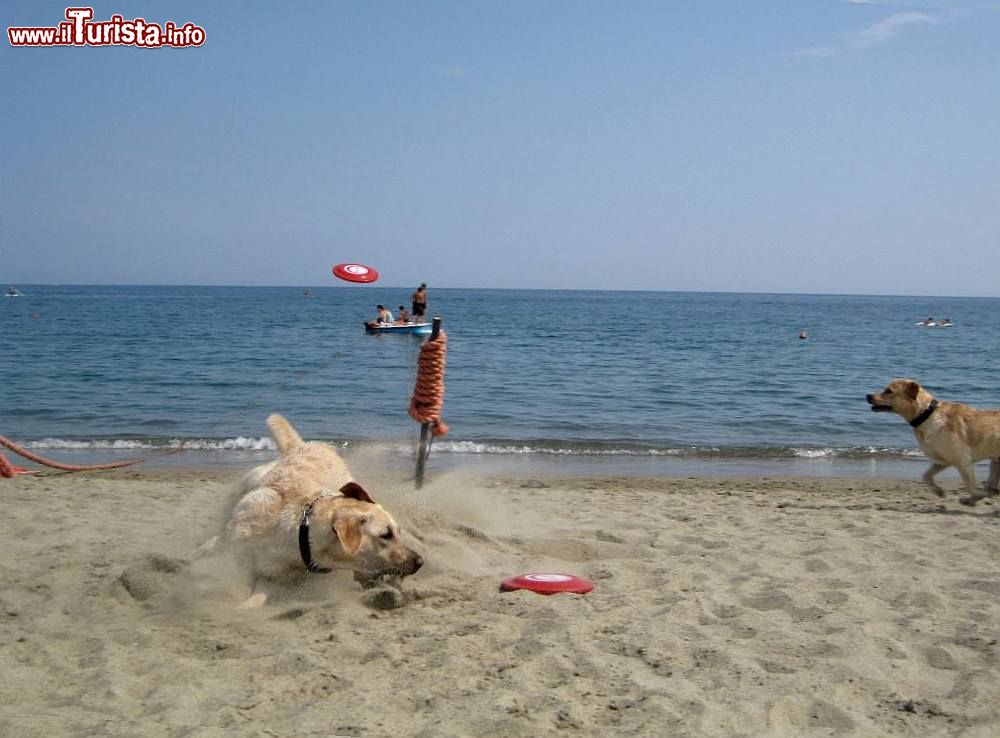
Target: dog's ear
x,y
912,389
348,529
356,492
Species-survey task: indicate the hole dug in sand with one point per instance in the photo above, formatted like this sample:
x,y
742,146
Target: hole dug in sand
x,y
153,575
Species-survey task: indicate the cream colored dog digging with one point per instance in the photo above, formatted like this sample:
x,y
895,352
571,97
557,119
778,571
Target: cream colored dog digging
x,y
950,433
304,513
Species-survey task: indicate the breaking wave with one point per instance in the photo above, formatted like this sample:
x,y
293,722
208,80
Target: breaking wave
x,y
551,448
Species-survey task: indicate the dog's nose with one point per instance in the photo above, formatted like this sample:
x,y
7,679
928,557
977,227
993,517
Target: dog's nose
x,y
868,397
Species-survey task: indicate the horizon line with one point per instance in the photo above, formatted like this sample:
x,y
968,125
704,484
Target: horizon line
x,y
501,289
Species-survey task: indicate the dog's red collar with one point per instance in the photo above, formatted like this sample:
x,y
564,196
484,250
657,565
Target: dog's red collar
x,y
919,420
304,550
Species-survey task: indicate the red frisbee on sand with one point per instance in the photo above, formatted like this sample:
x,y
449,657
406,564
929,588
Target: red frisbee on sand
x,y
547,584
355,273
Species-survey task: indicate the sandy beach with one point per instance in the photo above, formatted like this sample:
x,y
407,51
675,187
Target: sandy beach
x,y
723,607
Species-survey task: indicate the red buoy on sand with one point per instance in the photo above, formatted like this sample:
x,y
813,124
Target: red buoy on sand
x,y
547,584
355,273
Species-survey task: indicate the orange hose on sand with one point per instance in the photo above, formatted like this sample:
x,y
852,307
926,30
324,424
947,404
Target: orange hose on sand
x,y
428,394
8,470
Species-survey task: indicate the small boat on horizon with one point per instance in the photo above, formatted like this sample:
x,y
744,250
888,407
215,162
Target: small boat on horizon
x,y
931,323
14,292
413,329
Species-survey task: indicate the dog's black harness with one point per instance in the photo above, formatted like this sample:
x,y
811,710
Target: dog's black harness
x,y
304,549
919,420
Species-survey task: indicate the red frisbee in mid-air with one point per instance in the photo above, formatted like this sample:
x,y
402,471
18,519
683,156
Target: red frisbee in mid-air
x,y
355,273
547,584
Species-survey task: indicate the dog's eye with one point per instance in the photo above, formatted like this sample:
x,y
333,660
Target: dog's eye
x,y
387,535
888,391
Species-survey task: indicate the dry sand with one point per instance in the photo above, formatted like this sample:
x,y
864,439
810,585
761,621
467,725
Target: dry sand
x,y
722,607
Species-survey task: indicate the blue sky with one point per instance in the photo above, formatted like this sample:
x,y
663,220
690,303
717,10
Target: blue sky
x,y
799,146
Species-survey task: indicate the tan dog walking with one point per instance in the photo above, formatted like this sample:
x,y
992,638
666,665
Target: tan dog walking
x,y
950,433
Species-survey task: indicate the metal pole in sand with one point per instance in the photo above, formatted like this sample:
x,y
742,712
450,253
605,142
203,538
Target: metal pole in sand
x,y
425,437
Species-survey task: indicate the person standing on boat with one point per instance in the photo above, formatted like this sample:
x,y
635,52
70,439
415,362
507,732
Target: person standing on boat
x,y
419,300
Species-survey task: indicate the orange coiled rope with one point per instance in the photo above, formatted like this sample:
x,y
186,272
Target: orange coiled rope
x,y
9,470
428,394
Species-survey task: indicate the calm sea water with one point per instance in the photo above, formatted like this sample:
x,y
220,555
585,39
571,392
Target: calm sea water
x,y
639,377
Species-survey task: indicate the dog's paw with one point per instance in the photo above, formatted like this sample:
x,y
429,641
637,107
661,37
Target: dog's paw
x,y
368,581
257,599
970,500
384,598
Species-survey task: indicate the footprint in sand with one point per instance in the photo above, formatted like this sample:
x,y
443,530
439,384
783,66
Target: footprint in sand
x,y
150,576
795,715
834,597
940,659
769,601
814,566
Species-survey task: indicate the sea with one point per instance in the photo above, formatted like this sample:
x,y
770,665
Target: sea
x,y
567,382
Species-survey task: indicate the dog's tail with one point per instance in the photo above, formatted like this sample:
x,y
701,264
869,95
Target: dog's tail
x,y
287,438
